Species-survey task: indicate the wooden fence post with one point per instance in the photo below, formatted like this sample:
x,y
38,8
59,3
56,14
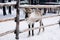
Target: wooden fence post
x,y
17,20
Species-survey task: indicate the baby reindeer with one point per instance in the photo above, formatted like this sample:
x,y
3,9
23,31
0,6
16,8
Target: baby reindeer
x,y
32,16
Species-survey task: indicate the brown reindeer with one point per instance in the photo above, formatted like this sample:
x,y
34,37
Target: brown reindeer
x,y
32,16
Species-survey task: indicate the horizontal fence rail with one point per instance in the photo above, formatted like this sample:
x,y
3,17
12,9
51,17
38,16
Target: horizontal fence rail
x,y
51,16
4,20
8,4
7,32
38,27
43,17
11,31
39,6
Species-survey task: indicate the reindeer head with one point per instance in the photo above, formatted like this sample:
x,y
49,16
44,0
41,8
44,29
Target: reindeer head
x,y
27,12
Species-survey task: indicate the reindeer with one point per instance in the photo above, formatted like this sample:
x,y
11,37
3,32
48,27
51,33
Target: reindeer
x,y
32,16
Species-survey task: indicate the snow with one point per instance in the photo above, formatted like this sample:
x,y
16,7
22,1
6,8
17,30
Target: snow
x,y
50,33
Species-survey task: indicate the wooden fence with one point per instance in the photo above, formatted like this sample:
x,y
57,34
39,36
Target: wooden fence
x,y
17,16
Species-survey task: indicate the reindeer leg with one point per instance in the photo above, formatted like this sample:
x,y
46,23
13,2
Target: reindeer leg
x,y
32,30
43,27
29,30
39,29
41,24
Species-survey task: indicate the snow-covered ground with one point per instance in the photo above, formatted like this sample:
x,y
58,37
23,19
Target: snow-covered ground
x,y
50,33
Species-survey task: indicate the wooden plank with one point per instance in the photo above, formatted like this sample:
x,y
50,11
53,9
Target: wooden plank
x,y
5,33
38,27
39,6
4,20
50,16
43,17
11,31
7,4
